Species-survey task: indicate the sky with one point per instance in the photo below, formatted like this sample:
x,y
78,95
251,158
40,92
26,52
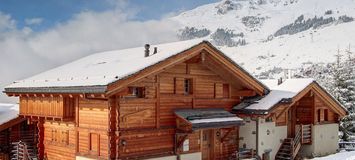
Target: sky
x,y
38,35
43,14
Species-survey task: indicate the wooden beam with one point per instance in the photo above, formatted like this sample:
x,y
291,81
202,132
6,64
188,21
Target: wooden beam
x,y
112,127
11,123
245,93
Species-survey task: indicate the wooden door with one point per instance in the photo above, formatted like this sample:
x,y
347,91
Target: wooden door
x,y
207,145
291,122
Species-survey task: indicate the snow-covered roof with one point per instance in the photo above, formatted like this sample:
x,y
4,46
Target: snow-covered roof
x,y
208,117
103,68
211,120
287,89
8,112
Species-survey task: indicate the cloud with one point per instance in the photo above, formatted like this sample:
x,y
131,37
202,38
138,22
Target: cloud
x,y
33,21
24,52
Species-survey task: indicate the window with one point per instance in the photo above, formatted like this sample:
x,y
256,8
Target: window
x,y
136,92
65,137
60,136
225,90
94,143
53,135
318,115
326,115
187,86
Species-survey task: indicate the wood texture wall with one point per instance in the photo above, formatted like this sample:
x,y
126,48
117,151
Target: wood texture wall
x,y
92,128
53,107
320,106
147,124
59,140
310,109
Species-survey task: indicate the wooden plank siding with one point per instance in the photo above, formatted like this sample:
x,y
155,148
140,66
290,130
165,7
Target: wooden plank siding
x,y
134,118
52,107
309,109
148,129
59,140
92,128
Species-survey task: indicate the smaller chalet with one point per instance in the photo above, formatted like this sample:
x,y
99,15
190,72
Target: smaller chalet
x,y
299,113
185,100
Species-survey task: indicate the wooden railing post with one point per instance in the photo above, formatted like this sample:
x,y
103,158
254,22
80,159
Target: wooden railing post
x,y
301,133
18,151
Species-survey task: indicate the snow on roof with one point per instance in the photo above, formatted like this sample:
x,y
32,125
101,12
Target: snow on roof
x,y
104,68
288,89
211,120
8,112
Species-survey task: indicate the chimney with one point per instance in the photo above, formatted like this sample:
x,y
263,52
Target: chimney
x,y
146,51
279,81
155,50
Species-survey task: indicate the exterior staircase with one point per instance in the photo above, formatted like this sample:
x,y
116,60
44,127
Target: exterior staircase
x,y
25,149
290,146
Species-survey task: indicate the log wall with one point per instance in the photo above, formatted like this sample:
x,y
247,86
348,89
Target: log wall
x,y
53,107
59,140
147,125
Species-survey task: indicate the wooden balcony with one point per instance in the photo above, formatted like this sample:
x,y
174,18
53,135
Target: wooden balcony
x,y
48,107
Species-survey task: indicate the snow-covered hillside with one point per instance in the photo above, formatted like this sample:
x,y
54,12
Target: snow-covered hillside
x,y
278,33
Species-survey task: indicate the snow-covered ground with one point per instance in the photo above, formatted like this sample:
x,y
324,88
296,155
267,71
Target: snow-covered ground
x,y
339,156
8,112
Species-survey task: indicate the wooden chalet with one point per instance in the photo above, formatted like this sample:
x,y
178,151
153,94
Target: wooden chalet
x,y
183,100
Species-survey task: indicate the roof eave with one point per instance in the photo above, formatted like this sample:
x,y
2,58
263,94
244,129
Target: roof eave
x,y
266,89
71,89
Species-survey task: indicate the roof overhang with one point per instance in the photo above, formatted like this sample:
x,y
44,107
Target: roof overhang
x,y
208,118
74,89
204,46
314,87
117,86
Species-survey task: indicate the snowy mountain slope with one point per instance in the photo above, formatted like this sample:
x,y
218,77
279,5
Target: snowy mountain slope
x,y
290,52
259,20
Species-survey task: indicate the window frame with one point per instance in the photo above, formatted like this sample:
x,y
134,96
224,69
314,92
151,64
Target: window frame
x,y
136,92
188,86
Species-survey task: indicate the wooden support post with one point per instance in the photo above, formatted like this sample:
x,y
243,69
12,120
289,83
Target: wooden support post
x,y
40,145
301,133
117,127
112,127
76,124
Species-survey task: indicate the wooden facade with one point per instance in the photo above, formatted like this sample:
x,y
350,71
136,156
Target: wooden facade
x,y
147,126
311,106
134,118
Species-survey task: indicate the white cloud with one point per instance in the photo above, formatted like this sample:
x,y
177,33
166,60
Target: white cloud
x,y
24,53
33,21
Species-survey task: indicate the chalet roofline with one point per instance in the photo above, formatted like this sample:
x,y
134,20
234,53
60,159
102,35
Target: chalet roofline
x,y
244,110
74,89
266,89
104,88
333,98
